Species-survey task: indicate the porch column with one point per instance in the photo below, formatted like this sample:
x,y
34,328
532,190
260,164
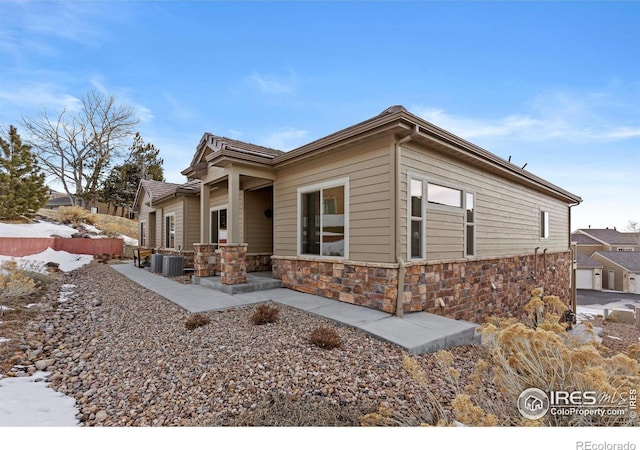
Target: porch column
x,y
233,208
233,263
205,216
204,259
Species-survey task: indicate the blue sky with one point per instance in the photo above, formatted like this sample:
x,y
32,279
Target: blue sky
x,y
553,85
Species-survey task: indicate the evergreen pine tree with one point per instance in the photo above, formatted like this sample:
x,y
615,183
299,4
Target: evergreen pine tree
x,y
142,163
22,184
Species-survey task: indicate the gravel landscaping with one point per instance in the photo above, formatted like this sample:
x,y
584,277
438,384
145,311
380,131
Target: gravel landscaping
x,y
127,358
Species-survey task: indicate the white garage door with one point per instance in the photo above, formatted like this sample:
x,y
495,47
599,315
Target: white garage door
x,y
584,278
637,277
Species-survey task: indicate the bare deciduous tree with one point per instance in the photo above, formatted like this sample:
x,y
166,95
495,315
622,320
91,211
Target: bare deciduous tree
x,y
77,148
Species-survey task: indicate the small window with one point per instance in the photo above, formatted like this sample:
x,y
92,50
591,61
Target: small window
x,y
470,241
544,224
170,231
443,195
143,234
417,213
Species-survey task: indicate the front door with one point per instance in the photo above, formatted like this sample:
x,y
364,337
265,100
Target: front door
x,y
612,280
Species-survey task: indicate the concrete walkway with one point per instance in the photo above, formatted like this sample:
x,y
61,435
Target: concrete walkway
x,y
417,333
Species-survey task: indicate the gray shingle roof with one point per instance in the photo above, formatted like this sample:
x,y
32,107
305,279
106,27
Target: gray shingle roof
x,y
583,239
611,236
585,262
628,260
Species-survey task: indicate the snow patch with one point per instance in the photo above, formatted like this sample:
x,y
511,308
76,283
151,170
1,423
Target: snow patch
x,y
30,402
39,229
67,261
3,339
65,291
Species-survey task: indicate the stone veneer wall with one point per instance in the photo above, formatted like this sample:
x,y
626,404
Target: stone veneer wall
x,y
233,262
366,284
470,289
476,289
258,262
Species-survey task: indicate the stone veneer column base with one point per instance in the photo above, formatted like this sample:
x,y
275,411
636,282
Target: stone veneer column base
x,y
233,263
204,259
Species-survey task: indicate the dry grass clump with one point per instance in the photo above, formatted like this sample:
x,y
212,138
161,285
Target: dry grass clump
x,y
74,215
196,320
535,352
542,355
277,409
264,313
115,226
326,338
15,283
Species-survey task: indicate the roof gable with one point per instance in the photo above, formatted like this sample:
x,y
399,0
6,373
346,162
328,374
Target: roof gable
x,y
611,236
627,260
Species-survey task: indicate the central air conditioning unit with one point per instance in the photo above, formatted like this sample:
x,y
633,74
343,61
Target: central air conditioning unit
x,y
173,266
156,263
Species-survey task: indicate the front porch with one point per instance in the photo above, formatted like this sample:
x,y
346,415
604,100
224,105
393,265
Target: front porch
x,y
255,281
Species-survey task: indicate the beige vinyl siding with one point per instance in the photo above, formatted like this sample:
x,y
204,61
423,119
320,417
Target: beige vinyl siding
x,y
507,214
192,222
153,224
174,207
258,227
370,198
589,249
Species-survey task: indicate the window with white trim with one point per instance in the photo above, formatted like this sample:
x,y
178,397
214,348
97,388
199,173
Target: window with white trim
x,y
544,224
323,214
425,194
143,233
470,229
170,231
417,212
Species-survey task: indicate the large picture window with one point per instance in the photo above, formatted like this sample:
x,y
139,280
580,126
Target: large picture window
x,y
323,219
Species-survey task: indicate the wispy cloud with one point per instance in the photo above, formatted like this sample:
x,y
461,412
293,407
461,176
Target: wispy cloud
x,y
284,139
39,96
122,95
600,116
274,85
24,29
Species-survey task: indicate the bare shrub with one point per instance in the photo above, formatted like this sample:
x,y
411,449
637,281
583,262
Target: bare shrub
x,y
196,320
14,282
326,338
277,409
74,215
264,313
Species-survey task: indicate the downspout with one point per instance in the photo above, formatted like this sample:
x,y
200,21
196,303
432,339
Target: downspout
x,y
574,286
398,179
535,263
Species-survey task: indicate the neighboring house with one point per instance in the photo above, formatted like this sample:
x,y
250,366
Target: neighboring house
x,y
621,270
615,251
588,273
467,233
168,216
